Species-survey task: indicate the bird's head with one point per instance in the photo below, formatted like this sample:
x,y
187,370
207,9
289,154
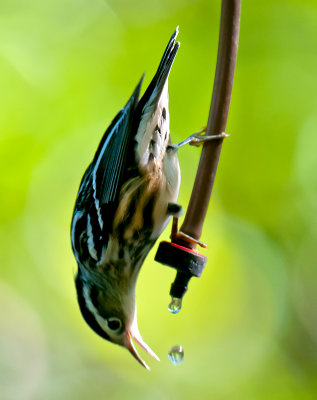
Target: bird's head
x,y
109,309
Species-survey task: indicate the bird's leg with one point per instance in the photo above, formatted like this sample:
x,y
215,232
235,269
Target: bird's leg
x,y
197,139
179,235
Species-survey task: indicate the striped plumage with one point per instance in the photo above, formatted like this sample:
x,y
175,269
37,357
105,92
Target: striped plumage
x,y
122,207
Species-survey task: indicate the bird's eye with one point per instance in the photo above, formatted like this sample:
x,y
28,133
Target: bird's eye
x,y
114,324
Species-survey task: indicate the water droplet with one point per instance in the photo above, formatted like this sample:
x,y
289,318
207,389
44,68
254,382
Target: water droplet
x,y
175,305
176,355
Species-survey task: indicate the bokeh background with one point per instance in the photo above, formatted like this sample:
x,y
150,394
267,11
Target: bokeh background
x,y
249,325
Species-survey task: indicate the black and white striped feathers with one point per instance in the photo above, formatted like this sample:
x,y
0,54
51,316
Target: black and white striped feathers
x,y
122,208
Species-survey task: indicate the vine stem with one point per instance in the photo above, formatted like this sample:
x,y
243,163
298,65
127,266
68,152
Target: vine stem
x,y
217,121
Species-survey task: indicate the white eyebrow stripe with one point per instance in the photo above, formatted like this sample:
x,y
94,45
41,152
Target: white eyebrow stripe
x,y
101,321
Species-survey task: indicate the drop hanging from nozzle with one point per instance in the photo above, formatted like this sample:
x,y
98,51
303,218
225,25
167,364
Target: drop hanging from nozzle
x,y
187,262
175,305
178,289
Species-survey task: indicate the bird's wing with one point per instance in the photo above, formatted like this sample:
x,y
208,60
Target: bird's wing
x,y
109,162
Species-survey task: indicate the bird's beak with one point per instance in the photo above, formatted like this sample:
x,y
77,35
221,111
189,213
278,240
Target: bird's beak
x,y
134,334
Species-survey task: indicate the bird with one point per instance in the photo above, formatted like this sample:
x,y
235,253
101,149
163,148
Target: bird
x,y
125,199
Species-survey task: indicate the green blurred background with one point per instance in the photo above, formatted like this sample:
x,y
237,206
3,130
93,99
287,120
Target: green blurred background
x,y
249,325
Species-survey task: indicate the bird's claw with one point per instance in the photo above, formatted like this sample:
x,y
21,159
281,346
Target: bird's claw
x,y
177,235
198,139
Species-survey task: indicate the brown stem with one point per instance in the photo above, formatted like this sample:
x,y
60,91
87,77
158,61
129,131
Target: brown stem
x,y
226,60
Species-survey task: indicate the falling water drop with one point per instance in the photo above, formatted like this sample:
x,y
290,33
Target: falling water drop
x,y
175,305
176,355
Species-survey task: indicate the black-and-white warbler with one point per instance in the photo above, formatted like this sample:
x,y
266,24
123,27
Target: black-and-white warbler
x,y
125,200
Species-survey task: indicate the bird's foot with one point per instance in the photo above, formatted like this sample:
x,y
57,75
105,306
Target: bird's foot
x,y
177,235
198,139
182,236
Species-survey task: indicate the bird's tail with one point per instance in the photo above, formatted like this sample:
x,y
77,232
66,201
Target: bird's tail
x,y
157,84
